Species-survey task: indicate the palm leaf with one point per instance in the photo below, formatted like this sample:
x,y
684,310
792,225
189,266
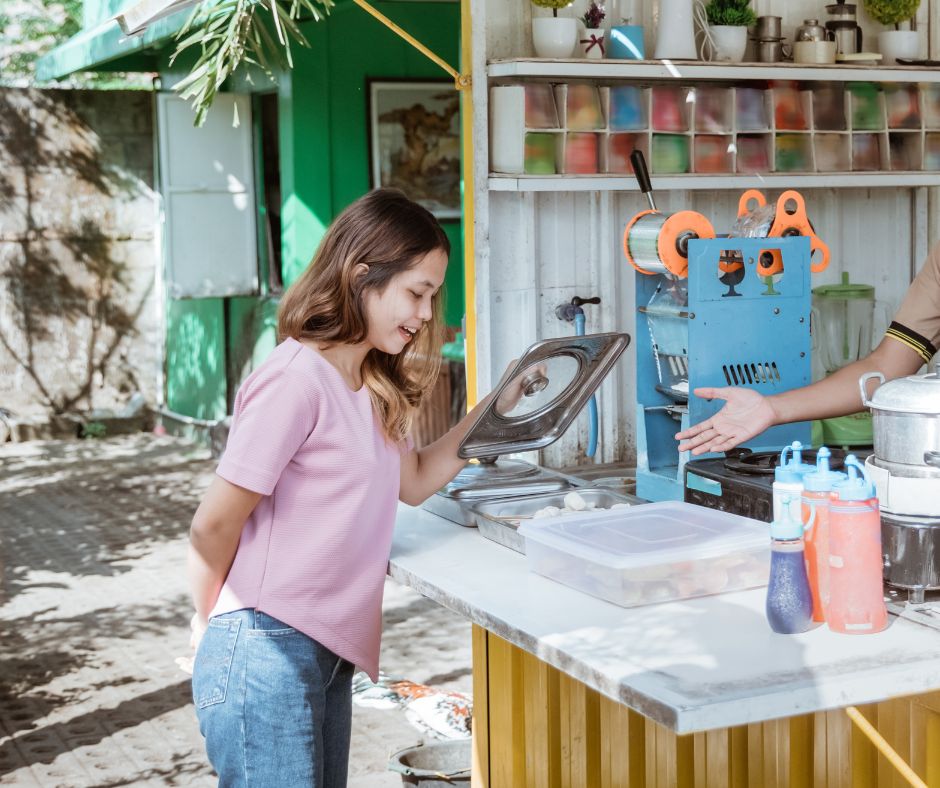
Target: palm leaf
x,y
229,34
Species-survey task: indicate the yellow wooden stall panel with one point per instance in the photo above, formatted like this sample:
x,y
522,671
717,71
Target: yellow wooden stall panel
x,y
931,770
535,726
925,743
893,721
737,759
542,724
480,767
506,714
579,708
864,767
622,746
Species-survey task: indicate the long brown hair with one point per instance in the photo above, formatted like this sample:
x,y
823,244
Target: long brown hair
x,y
390,234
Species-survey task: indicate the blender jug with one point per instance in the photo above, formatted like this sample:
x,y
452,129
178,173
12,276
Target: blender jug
x,y
844,323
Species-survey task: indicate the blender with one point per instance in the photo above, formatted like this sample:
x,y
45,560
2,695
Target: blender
x,y
844,331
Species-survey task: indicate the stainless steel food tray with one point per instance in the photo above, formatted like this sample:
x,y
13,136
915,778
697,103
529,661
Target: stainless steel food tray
x,y
454,505
498,520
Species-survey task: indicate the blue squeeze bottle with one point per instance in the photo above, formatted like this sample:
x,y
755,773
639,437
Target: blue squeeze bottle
x,y
789,601
788,479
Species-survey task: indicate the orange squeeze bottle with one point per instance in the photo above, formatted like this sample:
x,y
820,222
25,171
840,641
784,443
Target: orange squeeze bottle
x,y
856,594
815,510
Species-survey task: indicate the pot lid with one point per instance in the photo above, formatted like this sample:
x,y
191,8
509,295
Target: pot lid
x,y
557,377
913,394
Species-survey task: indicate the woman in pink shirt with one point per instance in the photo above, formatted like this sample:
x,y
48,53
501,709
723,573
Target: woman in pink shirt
x,y
290,544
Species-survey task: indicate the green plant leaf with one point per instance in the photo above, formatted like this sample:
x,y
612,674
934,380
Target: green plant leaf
x,y
230,34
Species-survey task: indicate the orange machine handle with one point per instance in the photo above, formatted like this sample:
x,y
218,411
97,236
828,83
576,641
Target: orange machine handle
x,y
744,207
815,242
750,194
799,221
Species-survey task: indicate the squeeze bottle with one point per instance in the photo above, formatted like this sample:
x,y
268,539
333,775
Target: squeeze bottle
x,y
789,602
815,515
788,479
856,596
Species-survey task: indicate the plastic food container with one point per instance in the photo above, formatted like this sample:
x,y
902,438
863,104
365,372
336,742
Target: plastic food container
x,y
650,553
499,520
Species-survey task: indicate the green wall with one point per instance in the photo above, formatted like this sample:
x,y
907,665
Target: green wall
x,y
213,343
324,124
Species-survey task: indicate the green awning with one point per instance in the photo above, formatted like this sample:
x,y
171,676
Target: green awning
x,y
106,48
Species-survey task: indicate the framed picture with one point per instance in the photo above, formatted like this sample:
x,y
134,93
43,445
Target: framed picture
x,y
414,142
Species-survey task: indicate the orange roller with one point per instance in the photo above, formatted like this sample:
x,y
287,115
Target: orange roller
x,y
656,243
684,223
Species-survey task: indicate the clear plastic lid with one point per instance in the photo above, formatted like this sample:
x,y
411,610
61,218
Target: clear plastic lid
x,y
649,534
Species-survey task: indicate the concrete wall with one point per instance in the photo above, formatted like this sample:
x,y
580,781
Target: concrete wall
x,y
79,314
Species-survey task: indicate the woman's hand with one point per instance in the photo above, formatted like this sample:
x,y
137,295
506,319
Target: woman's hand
x,y
197,628
746,413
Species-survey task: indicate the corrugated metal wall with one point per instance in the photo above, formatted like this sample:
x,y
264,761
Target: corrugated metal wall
x,y
538,249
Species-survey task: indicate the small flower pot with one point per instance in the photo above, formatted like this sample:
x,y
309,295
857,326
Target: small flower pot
x,y
728,42
554,37
894,44
591,43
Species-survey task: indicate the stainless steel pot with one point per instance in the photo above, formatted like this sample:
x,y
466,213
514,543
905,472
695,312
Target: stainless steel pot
x,y
905,417
773,50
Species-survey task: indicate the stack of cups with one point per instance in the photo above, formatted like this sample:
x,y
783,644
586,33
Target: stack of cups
x,y
770,43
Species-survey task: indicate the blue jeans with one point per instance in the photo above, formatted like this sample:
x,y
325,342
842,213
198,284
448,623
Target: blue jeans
x,y
274,706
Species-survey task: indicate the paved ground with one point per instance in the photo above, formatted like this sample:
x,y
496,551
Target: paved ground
x,y
94,611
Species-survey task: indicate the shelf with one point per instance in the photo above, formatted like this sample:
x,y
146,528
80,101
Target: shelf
x,y
694,70
579,183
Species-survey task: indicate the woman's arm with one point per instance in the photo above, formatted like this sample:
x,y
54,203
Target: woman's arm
x,y
425,471
213,540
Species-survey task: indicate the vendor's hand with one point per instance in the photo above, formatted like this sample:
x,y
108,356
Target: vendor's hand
x,y
509,397
746,413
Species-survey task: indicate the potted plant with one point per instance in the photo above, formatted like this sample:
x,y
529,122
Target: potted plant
x,y
897,43
592,36
554,36
728,21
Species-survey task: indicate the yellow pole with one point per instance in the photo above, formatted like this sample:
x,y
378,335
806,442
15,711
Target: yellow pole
x,y
884,748
461,81
469,259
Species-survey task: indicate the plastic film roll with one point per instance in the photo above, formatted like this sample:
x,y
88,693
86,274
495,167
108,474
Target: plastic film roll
x,y
657,243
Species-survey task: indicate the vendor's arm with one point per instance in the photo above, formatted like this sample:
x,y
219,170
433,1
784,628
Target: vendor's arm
x,y
910,341
746,413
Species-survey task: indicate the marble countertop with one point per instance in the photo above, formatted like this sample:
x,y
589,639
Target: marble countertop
x,y
694,665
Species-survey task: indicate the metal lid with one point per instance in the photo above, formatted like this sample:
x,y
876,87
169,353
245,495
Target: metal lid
x,y
557,377
913,394
841,8
846,290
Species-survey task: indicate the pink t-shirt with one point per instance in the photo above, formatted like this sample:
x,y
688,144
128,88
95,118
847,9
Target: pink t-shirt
x,y
315,550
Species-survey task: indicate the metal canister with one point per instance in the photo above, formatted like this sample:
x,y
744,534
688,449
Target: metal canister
x,y
811,30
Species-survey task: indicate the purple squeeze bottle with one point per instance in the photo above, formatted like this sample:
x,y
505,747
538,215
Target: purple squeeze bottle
x,y
789,602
